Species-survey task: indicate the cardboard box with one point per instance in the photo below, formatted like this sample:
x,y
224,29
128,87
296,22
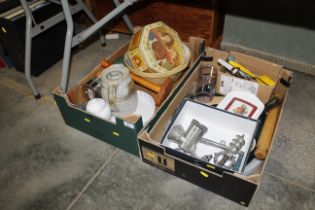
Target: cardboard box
x,y
122,133
231,185
227,82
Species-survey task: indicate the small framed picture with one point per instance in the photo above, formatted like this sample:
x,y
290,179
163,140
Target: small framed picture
x,y
241,107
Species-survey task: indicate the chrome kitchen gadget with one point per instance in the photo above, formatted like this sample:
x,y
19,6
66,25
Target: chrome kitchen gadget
x,y
187,142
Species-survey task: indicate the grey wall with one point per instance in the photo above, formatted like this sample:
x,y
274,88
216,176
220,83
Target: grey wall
x,y
281,31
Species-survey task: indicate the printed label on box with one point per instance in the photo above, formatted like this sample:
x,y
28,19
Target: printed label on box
x,y
228,84
129,125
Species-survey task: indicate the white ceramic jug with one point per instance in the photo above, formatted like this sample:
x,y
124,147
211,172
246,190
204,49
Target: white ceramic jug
x,y
118,90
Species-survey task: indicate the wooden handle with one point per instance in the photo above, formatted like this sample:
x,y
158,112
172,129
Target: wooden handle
x,y
105,63
145,83
266,134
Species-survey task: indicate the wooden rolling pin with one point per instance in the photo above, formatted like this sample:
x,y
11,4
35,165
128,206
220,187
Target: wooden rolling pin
x,y
145,83
266,134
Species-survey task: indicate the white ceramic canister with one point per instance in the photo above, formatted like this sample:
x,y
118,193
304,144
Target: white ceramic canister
x,y
118,90
98,107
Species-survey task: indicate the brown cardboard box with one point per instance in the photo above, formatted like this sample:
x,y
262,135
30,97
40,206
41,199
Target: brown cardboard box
x,y
234,186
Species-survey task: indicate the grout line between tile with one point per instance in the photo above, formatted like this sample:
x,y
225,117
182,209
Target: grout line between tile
x,y
289,181
91,180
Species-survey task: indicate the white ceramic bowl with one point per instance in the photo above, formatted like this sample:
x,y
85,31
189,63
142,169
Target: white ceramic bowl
x,y
99,108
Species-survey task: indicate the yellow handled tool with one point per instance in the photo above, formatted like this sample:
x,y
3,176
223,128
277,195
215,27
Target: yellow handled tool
x,y
260,79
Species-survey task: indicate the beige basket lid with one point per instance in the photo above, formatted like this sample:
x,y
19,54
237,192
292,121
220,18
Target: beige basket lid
x,y
150,74
156,49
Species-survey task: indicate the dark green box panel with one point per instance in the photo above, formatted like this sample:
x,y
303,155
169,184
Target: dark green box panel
x,y
117,134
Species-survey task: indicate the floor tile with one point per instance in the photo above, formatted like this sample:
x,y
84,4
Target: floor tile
x,y
275,193
294,143
43,162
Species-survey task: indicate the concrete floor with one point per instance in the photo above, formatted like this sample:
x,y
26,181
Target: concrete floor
x,y
45,164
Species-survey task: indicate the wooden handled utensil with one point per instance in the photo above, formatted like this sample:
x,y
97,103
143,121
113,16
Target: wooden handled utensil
x,y
267,132
161,91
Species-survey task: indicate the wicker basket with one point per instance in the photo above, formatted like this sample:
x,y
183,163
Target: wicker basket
x,y
156,53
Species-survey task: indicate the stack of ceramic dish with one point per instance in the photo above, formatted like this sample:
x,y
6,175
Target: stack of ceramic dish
x,y
118,90
146,106
156,53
